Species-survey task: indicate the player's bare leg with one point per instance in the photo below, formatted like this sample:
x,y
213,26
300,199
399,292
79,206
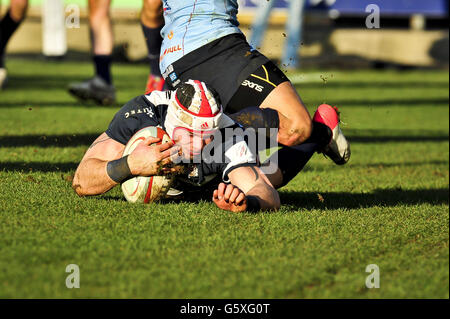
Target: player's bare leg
x,y
295,125
8,25
101,27
100,88
152,21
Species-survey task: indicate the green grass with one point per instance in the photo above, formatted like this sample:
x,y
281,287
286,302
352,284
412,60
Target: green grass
x,y
389,206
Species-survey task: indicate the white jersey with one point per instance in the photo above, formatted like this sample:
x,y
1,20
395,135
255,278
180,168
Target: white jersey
x,y
190,24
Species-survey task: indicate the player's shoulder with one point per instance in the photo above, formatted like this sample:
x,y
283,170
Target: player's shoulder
x,y
158,98
144,105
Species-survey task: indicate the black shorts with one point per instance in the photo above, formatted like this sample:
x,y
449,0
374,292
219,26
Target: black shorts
x,y
241,76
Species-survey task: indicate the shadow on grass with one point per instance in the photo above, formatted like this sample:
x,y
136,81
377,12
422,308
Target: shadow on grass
x,y
355,136
59,140
372,84
42,167
380,166
61,82
36,104
331,201
443,102
379,197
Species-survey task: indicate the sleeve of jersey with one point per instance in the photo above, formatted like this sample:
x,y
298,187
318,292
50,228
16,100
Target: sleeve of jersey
x,y
133,116
237,154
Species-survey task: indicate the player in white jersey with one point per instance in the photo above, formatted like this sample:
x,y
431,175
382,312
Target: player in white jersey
x,y
202,40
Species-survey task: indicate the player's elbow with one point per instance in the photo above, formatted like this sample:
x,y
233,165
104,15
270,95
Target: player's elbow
x,y
271,203
268,197
79,186
276,202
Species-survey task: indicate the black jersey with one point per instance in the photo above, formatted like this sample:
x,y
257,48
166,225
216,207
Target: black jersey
x,y
151,110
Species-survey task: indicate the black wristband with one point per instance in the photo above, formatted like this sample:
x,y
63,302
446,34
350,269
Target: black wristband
x,y
253,204
119,170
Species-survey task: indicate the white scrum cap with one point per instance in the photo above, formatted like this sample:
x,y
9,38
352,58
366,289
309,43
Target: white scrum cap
x,y
193,107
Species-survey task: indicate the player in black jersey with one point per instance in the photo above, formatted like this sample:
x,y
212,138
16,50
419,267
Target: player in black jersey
x,y
192,117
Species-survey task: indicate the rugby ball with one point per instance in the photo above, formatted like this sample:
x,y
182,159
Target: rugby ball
x,y
143,189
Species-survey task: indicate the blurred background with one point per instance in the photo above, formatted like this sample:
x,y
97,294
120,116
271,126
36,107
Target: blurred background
x,y
412,33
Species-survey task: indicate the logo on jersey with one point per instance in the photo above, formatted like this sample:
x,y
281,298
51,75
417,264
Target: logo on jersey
x,y
173,76
204,126
167,7
170,35
252,85
145,110
170,50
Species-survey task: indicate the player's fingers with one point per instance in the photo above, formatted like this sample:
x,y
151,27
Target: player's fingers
x,y
234,194
216,195
165,146
151,140
168,152
228,192
221,190
240,199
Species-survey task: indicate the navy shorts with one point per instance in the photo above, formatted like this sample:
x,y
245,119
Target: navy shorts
x,y
241,76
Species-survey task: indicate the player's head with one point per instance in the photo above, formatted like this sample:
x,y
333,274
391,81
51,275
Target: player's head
x,y
193,115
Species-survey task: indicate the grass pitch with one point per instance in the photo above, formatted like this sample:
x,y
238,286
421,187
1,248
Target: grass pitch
x,y
388,206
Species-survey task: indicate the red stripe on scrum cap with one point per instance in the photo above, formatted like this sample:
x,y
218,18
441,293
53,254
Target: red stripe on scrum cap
x,y
205,107
186,109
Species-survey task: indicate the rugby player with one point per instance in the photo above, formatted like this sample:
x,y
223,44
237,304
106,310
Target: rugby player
x,y
238,181
190,111
100,88
202,40
8,25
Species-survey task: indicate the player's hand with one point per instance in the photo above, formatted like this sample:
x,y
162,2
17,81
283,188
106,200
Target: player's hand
x,y
229,197
147,159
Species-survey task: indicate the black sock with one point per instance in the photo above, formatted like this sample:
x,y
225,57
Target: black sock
x,y
7,28
103,67
154,40
321,134
291,160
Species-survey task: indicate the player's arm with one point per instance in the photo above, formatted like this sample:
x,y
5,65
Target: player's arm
x,y
103,166
250,190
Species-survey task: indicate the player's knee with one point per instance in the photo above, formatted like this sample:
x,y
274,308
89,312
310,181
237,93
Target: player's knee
x,y
299,131
97,17
152,10
153,5
18,9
